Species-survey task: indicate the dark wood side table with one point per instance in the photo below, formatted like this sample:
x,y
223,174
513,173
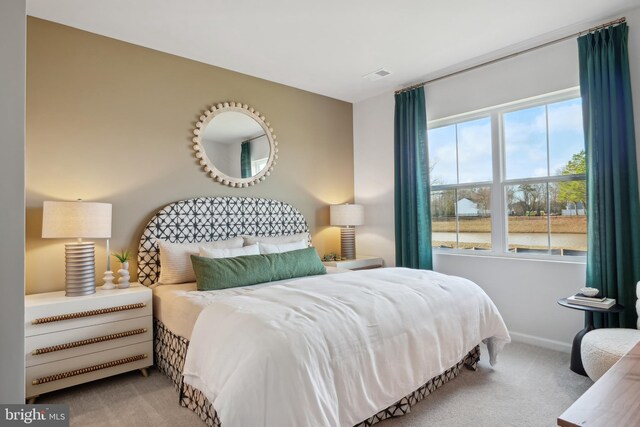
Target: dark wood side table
x,y
576,359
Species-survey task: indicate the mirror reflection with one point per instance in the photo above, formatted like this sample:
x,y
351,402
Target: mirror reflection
x,y
236,144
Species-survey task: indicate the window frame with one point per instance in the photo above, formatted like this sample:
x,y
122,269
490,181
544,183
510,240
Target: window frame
x,y
499,184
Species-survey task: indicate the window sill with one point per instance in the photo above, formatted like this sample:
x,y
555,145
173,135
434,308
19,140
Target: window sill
x,y
517,257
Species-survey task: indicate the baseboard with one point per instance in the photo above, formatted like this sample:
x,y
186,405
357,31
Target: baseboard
x,y
540,342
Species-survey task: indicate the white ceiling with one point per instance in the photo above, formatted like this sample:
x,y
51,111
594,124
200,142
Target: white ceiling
x,y
327,46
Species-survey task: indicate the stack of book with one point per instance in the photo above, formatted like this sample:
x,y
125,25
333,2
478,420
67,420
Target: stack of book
x,y
597,302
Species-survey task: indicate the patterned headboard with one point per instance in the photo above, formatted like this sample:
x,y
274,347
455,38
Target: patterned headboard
x,y
213,218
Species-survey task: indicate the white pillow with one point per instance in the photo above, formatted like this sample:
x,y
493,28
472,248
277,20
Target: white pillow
x,y
175,258
278,248
252,240
229,252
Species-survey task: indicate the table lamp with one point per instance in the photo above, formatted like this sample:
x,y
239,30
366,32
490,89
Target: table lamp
x,y
347,217
77,220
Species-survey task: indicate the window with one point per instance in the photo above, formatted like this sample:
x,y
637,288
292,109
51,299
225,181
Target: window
x,y
528,159
258,165
461,174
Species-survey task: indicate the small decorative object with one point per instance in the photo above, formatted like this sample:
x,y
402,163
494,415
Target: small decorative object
x,y
589,292
77,220
346,217
123,256
108,280
331,256
108,275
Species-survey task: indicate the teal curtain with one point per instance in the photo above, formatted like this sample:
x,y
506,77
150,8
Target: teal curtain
x,y
613,213
412,198
245,159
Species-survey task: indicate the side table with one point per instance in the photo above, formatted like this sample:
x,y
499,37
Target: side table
x,y
74,340
576,358
360,263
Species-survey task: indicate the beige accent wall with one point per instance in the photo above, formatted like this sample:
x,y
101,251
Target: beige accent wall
x,y
110,121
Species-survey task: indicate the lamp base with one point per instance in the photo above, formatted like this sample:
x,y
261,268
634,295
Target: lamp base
x,y
347,243
80,269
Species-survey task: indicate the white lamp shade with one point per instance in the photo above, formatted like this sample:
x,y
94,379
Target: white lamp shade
x,y
346,215
70,220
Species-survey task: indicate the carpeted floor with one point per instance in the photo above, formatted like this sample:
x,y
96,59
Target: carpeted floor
x,y
530,386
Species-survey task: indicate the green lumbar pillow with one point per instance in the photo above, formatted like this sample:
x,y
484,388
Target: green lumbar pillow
x,y
223,273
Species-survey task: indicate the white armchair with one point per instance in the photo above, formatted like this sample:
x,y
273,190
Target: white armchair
x,y
602,348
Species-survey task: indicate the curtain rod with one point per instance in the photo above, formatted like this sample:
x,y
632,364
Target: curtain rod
x,y
511,55
255,137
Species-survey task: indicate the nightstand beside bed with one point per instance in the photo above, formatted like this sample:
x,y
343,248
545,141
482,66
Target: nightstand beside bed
x,y
73,340
359,263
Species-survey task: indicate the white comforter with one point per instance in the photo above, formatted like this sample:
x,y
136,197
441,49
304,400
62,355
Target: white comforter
x,y
334,350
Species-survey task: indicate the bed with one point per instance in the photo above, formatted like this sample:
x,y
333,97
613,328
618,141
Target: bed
x,y
197,333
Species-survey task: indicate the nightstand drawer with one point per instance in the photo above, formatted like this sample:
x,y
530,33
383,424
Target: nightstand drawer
x,y
76,342
76,370
79,312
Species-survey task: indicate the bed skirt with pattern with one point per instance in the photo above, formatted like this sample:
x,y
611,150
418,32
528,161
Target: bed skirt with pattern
x,y
170,351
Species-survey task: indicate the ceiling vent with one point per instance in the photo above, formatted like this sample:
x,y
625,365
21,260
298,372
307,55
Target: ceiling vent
x,y
377,75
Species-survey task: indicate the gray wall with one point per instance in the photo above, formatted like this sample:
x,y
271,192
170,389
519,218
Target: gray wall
x,y
12,112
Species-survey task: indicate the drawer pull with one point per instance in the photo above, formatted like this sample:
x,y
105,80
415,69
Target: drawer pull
x,y
88,341
88,369
97,312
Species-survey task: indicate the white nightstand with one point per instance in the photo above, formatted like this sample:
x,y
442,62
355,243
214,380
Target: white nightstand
x,y
360,263
73,340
